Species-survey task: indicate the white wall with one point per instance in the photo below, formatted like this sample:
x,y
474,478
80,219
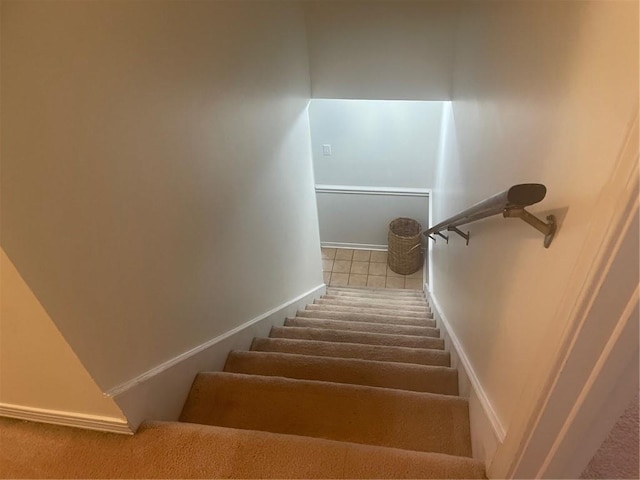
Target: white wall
x,y
38,369
381,50
375,143
157,185
361,220
543,92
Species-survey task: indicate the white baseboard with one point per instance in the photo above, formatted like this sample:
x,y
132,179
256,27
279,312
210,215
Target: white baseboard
x,y
354,246
66,419
160,392
487,432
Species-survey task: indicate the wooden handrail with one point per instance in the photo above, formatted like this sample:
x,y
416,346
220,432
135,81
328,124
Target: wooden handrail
x,y
511,203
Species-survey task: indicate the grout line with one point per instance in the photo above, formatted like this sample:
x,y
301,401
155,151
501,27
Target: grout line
x,y
386,276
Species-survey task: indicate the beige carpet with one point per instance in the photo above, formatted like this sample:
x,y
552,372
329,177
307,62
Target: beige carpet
x,y
405,376
174,450
328,335
619,454
352,413
356,386
393,329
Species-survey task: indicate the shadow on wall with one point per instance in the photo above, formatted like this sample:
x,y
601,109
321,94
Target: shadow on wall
x,y
160,179
391,50
524,81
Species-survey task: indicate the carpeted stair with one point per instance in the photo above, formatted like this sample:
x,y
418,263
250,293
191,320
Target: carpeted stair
x,y
362,369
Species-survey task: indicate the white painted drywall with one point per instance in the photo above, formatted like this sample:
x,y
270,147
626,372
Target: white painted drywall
x,y
157,185
363,219
543,92
38,369
375,143
386,50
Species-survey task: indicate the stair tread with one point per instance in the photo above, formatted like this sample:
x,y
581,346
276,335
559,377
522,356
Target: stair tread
x,y
393,291
362,326
375,296
189,450
422,356
375,300
241,453
372,310
328,410
382,307
379,306
380,297
330,335
414,377
367,317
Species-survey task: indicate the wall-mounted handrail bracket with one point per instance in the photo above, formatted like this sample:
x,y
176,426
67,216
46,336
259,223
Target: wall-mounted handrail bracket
x,y
466,236
443,236
547,229
432,238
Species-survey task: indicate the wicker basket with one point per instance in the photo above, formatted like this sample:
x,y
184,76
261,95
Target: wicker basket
x,y
405,252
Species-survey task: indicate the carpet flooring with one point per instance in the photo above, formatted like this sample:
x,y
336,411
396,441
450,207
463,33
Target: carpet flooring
x,y
358,385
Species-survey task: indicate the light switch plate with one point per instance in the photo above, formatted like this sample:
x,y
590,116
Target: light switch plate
x,y
326,150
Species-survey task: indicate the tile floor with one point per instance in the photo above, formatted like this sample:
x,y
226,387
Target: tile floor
x,y
362,268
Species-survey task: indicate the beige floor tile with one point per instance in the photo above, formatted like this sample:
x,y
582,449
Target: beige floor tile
x,y
361,255
417,274
358,280
339,279
328,253
327,265
360,268
391,273
341,266
344,254
376,281
378,257
413,283
395,282
378,269
326,276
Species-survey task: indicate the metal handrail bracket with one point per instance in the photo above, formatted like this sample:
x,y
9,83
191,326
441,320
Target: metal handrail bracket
x,y
547,229
443,236
466,236
511,204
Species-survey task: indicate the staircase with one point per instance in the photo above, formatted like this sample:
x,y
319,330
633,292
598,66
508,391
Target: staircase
x,y
360,365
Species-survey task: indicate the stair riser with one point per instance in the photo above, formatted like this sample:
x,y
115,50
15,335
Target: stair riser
x,y
363,327
328,410
416,378
325,335
377,306
363,317
439,358
375,301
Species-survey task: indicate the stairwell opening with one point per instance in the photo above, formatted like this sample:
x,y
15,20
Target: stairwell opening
x,y
373,161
